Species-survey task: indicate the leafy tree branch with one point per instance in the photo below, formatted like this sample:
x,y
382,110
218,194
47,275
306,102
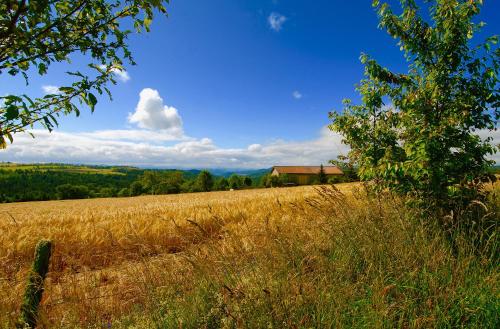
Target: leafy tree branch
x,y
36,34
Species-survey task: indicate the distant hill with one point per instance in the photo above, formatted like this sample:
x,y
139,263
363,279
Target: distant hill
x,y
70,168
243,172
103,169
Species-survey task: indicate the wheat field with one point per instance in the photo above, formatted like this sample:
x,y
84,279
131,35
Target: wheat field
x,y
98,241
302,257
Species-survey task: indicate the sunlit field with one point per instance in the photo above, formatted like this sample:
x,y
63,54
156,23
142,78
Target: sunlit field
x,y
303,257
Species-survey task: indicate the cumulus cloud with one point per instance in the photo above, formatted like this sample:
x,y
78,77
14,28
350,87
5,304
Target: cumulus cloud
x,y
276,21
49,89
152,113
296,94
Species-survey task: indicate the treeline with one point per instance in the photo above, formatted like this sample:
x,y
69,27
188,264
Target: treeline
x,y
39,185
56,184
158,182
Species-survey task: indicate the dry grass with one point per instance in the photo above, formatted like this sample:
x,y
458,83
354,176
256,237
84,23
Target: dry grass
x,y
279,258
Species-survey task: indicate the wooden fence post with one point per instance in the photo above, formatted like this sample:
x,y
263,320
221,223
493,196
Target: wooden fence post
x,y
34,288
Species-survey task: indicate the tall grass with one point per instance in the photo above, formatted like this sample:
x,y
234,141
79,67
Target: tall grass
x,y
287,258
344,262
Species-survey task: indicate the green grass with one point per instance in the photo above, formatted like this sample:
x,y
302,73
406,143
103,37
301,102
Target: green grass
x,y
353,263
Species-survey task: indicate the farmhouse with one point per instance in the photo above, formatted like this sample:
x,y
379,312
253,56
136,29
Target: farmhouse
x,y
303,175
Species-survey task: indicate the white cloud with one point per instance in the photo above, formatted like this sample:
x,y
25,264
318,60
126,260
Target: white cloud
x,y
138,135
276,21
156,149
122,75
255,147
49,89
162,143
116,147
152,113
296,94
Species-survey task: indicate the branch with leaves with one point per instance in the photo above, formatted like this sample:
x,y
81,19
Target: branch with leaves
x,y
416,132
36,34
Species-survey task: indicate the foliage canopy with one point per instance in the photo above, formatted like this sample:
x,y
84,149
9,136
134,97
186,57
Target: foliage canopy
x,y
36,34
417,132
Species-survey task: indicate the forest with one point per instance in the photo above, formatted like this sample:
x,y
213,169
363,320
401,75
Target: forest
x,y
36,182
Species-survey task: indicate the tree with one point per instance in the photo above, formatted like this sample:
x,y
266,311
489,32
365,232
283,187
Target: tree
x,y
273,181
417,132
235,181
221,184
189,186
205,181
247,181
36,34
348,168
283,179
263,180
124,192
136,188
68,191
107,192
322,178
171,183
150,181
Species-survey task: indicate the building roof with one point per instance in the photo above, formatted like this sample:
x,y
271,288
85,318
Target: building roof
x,y
308,170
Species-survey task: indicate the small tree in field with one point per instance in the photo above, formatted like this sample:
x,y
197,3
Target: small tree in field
x,y
222,184
136,188
235,182
36,34
322,178
417,132
205,181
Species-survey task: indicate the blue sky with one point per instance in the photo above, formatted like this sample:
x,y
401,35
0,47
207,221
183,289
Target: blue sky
x,y
247,83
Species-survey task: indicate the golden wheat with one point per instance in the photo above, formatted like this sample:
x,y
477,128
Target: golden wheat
x,y
291,257
97,242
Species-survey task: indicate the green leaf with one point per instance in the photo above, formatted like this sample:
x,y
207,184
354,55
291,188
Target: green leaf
x,y
93,100
12,112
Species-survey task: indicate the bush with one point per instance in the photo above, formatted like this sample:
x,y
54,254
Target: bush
x,y
235,182
247,181
107,192
222,184
68,191
271,181
124,192
136,189
205,181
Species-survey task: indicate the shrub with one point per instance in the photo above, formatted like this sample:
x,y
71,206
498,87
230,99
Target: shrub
x,y
124,192
247,181
68,191
222,184
205,181
136,189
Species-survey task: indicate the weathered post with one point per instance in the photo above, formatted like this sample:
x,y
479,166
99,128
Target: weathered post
x,y
34,288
